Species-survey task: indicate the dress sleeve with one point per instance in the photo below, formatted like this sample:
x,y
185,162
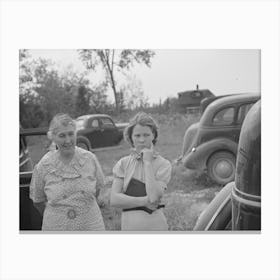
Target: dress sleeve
x,y
118,170
163,174
100,178
37,193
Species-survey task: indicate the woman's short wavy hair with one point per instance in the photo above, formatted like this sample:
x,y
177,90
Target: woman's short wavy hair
x,y
143,119
57,121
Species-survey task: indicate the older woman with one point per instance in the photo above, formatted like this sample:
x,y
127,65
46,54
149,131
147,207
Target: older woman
x,y
65,182
141,178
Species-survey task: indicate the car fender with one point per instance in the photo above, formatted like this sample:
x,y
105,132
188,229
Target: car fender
x,y
83,138
189,138
217,215
197,158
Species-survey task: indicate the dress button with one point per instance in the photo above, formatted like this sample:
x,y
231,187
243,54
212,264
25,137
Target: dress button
x,y
71,214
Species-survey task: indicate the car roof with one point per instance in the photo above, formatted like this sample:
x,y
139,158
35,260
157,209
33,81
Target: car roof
x,y
225,101
92,115
33,131
206,101
232,99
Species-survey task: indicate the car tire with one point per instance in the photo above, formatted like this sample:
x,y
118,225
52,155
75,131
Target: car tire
x,y
84,143
221,167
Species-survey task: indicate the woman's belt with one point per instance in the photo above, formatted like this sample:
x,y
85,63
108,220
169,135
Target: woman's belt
x,y
143,208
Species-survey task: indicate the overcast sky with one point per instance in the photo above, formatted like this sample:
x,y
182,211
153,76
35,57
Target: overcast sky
x,y
173,71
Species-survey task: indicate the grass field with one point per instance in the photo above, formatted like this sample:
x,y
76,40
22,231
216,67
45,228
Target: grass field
x,y
188,193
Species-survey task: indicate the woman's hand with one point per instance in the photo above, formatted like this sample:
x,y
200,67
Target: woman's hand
x,y
40,206
147,154
153,206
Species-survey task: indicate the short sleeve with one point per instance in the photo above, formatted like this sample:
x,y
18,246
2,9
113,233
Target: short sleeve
x,y
118,170
163,174
100,179
37,193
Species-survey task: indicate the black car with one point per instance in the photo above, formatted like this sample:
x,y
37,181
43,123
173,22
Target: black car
x,y
238,205
211,144
98,130
30,218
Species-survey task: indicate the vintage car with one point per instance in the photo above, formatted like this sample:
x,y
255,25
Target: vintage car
x,y
30,218
25,162
238,205
211,144
95,131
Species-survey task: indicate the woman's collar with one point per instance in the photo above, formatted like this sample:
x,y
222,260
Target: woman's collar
x,y
79,158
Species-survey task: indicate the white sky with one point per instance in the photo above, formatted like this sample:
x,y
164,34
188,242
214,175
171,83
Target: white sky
x,y
173,71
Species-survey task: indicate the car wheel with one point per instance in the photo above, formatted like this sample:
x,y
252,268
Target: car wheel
x,y
83,143
221,167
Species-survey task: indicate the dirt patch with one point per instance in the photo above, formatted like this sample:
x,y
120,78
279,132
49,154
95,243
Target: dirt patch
x,y
183,209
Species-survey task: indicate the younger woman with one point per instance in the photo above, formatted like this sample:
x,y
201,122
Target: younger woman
x,y
141,178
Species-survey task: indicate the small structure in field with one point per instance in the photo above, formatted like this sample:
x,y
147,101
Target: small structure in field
x,y
190,100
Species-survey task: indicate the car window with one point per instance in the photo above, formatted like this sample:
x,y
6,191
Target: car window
x,y
224,116
242,112
94,123
80,123
106,123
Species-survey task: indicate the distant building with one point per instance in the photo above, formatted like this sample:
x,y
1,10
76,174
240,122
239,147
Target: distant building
x,y
190,100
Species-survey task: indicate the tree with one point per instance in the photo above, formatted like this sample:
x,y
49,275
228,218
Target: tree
x,y
114,60
82,101
133,94
31,113
26,70
44,91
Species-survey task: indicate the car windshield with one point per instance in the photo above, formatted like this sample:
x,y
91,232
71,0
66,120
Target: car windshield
x,y
106,122
80,123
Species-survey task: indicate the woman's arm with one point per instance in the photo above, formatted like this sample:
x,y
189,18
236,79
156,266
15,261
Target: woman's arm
x,y
36,189
153,187
121,200
40,206
100,178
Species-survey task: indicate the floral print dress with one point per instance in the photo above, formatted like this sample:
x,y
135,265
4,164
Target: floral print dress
x,y
69,191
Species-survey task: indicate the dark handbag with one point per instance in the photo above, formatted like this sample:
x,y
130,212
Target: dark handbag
x,y
137,188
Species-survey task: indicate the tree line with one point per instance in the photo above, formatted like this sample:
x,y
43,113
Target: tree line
x,y
45,91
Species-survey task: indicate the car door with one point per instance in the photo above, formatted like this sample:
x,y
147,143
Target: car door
x,y
94,132
109,131
242,111
231,128
221,125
